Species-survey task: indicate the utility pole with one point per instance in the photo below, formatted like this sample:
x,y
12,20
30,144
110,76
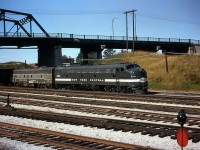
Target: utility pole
x,y
133,12
126,30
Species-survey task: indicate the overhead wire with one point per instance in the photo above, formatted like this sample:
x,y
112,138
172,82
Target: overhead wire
x,y
106,12
171,19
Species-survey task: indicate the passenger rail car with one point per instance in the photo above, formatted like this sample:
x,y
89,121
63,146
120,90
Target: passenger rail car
x,y
115,77
38,77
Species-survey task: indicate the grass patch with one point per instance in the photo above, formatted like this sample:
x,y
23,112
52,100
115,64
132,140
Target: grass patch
x,y
14,65
183,70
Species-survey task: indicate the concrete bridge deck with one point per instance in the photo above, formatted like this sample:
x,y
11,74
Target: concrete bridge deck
x,y
78,41
50,47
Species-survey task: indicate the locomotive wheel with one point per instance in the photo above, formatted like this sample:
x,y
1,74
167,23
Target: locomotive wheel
x,y
145,88
111,89
118,89
106,89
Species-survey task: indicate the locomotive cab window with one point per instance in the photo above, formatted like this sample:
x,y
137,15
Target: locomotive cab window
x,y
132,66
137,66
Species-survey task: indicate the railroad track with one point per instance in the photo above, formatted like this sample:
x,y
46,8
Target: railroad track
x,y
150,116
108,104
67,103
132,104
59,140
150,129
193,98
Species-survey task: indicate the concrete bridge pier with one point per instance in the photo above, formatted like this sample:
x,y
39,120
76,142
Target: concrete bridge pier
x,y
99,53
85,53
49,55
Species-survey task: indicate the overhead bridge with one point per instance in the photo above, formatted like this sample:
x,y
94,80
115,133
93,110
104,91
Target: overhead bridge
x,y
50,44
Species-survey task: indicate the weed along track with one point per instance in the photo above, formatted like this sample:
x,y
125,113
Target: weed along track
x,y
58,140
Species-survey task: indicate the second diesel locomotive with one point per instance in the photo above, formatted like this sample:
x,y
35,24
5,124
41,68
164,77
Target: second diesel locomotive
x,y
125,77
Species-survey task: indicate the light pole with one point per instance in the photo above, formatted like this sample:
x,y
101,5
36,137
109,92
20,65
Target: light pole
x,y
113,26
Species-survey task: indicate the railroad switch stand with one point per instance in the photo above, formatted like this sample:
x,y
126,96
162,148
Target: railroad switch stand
x,y
182,117
182,135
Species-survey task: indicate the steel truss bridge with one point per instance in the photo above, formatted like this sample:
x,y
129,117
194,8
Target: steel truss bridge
x,y
49,45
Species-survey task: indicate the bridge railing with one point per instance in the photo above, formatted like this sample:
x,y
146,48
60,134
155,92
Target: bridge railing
x,y
99,37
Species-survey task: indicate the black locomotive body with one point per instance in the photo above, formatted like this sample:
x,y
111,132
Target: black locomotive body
x,y
125,77
115,77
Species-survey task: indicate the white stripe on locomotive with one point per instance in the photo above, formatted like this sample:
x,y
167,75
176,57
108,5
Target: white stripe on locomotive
x,y
106,80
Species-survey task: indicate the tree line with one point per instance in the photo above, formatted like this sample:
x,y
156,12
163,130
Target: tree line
x,y
92,55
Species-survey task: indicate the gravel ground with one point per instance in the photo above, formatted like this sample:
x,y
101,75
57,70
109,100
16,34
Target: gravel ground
x,y
126,137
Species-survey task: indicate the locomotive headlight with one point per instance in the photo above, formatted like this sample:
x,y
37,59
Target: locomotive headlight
x,y
143,80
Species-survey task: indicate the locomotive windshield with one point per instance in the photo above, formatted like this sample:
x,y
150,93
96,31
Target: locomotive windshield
x,y
132,66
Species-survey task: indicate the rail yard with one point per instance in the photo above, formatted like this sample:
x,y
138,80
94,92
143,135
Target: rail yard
x,y
73,83
112,120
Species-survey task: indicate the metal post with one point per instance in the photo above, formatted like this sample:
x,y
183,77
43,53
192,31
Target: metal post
x,y
135,27
17,30
31,27
182,136
133,30
126,31
4,23
166,62
8,101
133,11
25,64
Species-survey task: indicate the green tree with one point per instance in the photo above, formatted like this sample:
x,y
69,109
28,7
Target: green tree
x,y
79,57
108,52
91,55
66,59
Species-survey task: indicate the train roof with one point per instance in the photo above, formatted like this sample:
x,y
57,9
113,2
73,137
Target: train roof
x,y
119,65
34,69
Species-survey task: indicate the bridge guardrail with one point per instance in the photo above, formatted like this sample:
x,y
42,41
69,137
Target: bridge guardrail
x,y
100,37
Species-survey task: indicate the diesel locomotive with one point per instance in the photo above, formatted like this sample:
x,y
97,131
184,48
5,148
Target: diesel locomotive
x,y
126,77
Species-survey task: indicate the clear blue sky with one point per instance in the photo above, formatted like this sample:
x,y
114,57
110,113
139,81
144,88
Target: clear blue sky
x,y
154,18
